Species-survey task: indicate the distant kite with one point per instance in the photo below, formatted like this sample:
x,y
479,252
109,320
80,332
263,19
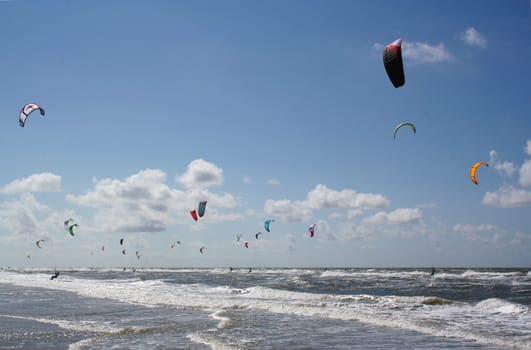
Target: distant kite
x,y
201,208
26,111
473,170
411,126
311,229
267,223
392,59
194,214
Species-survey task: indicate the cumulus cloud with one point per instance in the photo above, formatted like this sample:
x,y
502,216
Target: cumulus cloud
x,y
201,174
468,228
143,202
417,52
525,173
323,197
474,38
507,197
505,168
288,210
510,195
398,216
43,182
19,215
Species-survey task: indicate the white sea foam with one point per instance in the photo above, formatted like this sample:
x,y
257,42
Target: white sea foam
x,y
82,326
491,321
210,340
220,316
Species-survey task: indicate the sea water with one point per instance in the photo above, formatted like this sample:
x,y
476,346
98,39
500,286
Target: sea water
x,y
265,308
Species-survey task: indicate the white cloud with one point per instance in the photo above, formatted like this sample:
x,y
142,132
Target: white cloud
x,y
507,197
398,216
201,174
474,38
468,228
417,52
528,148
425,53
288,210
43,182
144,203
323,197
20,216
525,173
505,168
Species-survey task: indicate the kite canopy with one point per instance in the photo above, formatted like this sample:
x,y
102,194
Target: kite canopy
x,y
311,229
201,250
258,234
246,244
411,126
194,214
201,208
69,226
392,59
38,243
267,223
26,111
473,170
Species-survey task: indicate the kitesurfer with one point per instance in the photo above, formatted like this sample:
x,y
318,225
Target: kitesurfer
x,y
55,275
432,271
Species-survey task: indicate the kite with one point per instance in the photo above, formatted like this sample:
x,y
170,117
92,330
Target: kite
x,y
38,243
69,226
312,230
194,214
411,126
246,244
26,111
267,223
473,170
392,59
121,241
123,252
201,250
201,208
258,234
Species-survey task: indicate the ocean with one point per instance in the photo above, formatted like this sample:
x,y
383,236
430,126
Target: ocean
x,y
265,308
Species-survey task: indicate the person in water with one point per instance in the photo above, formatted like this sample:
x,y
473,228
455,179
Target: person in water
x,y
55,275
432,271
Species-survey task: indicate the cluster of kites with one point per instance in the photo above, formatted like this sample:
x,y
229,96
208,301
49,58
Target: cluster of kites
x,y
394,67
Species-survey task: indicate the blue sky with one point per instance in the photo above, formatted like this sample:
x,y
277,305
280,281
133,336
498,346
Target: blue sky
x,y
269,110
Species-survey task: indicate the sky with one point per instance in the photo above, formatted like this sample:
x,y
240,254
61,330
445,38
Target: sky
x,y
275,110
